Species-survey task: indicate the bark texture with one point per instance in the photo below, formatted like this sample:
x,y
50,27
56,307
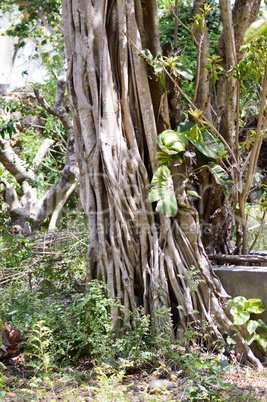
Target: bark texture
x,y
145,259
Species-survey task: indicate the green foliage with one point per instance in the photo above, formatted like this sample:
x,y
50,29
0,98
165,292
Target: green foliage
x,y
3,386
172,145
39,342
185,39
7,127
250,72
241,310
171,64
109,380
162,192
192,277
63,328
255,30
205,372
206,376
200,19
131,347
27,136
214,68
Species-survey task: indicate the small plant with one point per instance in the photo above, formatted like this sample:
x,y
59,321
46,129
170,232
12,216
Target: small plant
x,y
206,382
39,340
3,386
241,309
109,384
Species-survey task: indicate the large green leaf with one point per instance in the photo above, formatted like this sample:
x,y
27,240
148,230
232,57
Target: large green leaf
x,y
219,174
254,306
237,310
165,159
184,127
184,71
162,192
255,29
262,341
215,144
208,147
171,143
250,338
162,158
203,150
262,326
252,326
240,318
238,301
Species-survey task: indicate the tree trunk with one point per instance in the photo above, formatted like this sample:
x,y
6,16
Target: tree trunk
x,y
144,258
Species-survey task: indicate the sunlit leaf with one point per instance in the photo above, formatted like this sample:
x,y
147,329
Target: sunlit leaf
x,y
250,337
252,326
255,29
171,143
193,193
238,301
166,159
254,306
262,341
163,159
162,192
240,318
184,71
219,174
195,135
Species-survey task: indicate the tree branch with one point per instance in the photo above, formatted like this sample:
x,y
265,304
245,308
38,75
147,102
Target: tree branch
x,y
44,21
58,109
13,163
60,205
41,153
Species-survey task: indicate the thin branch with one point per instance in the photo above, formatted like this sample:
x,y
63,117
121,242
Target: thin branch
x,y
199,50
44,21
60,205
41,153
175,25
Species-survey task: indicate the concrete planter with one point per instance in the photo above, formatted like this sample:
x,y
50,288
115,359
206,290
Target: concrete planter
x,y
250,282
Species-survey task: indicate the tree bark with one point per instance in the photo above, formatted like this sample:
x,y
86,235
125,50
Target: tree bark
x,y
203,50
144,258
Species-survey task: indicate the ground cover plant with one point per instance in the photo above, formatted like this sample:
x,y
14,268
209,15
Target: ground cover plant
x,y
69,351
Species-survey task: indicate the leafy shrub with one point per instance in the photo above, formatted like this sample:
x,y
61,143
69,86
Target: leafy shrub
x,y
79,324
241,310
